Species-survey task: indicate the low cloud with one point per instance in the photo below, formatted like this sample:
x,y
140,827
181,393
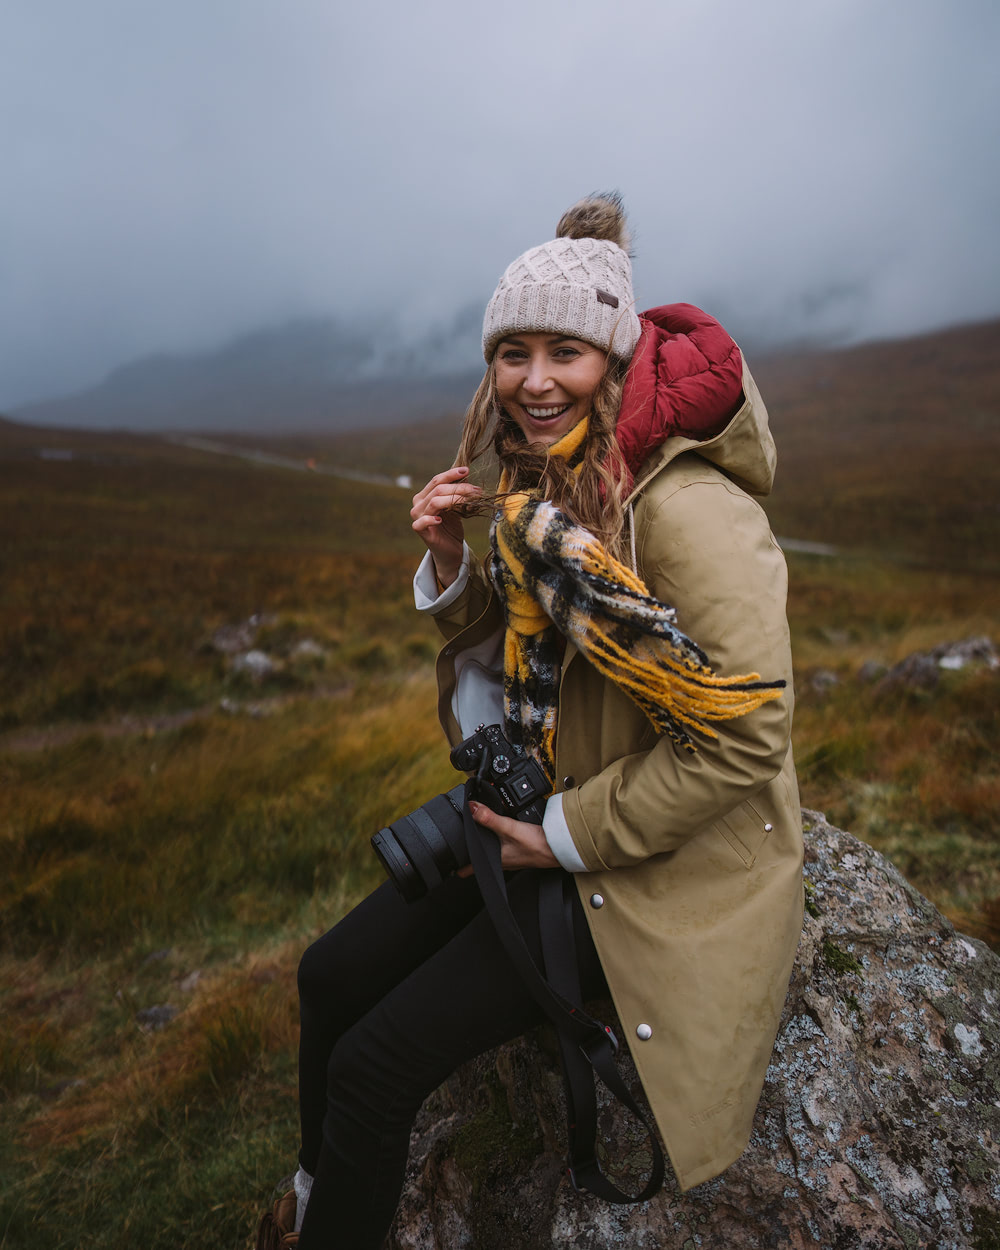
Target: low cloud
x,y
179,175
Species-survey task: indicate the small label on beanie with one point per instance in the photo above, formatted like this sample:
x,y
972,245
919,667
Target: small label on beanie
x,y
606,298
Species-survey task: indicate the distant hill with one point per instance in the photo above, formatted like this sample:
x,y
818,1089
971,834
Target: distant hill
x,y
891,446
894,443
306,375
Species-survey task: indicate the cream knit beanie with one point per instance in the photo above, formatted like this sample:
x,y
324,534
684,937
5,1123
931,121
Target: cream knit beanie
x,y
580,283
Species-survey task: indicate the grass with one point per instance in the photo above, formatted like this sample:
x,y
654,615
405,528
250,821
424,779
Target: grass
x,y
219,849
912,771
218,820
117,570
174,833
892,448
143,844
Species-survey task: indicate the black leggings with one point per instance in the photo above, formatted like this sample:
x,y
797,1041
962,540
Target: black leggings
x,y
392,1000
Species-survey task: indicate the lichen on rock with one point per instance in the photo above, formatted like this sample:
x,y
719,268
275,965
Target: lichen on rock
x,y
878,1127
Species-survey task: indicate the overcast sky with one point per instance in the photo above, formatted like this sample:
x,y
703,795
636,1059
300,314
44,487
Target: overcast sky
x,y
177,173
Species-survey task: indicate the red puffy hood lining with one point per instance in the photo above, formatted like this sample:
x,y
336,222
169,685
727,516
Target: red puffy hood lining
x,y
685,377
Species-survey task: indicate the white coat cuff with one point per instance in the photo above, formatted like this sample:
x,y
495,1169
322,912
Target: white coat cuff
x,y
426,596
559,838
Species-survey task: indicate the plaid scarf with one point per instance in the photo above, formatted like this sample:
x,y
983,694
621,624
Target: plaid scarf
x,y
557,581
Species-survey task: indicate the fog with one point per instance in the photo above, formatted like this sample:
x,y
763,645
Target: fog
x,y
175,175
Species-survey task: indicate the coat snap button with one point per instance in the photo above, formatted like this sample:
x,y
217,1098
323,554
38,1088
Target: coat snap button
x,y
597,900
569,783
768,827
644,1032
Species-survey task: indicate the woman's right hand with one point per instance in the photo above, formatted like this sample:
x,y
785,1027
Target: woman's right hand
x,y
437,522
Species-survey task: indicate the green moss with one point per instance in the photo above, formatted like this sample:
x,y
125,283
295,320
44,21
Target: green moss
x,y
951,1008
491,1139
810,902
839,961
976,1164
855,1006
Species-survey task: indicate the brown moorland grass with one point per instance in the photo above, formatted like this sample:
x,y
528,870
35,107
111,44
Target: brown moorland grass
x,y
116,569
247,839
913,771
892,448
220,844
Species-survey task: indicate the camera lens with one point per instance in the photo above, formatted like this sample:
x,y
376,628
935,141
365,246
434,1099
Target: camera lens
x,y
419,850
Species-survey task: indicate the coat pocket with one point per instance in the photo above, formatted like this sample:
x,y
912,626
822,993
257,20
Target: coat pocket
x,y
746,830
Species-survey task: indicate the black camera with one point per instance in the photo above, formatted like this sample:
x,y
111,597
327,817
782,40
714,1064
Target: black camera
x,y
419,850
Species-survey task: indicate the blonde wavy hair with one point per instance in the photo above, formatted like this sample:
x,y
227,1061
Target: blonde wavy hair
x,y
592,495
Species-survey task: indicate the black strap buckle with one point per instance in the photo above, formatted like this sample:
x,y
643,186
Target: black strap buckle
x,y
591,1046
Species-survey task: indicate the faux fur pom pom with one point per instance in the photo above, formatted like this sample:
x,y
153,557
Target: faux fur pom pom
x,y
597,216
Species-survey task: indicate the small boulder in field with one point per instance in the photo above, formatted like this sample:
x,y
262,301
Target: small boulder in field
x,y
956,655
255,664
922,669
151,1019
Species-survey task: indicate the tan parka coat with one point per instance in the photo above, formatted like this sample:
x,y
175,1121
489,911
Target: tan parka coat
x,y
693,888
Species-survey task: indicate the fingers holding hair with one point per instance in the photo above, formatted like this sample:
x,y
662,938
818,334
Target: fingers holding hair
x,y
436,516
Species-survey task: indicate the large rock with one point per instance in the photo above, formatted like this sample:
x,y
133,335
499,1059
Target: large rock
x,y
879,1124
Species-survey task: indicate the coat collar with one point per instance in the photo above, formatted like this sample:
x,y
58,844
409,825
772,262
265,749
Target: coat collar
x,y
684,380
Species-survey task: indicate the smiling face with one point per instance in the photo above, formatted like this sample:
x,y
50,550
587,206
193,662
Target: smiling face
x,y
546,382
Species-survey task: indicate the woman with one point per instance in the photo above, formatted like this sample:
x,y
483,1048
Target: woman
x,y
631,449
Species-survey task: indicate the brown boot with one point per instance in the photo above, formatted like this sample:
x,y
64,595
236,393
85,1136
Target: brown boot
x,y
275,1229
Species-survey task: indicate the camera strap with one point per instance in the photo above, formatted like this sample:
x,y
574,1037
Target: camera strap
x,y
586,1045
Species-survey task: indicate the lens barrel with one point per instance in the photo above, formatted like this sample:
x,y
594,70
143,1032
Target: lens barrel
x,y
419,850
422,848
